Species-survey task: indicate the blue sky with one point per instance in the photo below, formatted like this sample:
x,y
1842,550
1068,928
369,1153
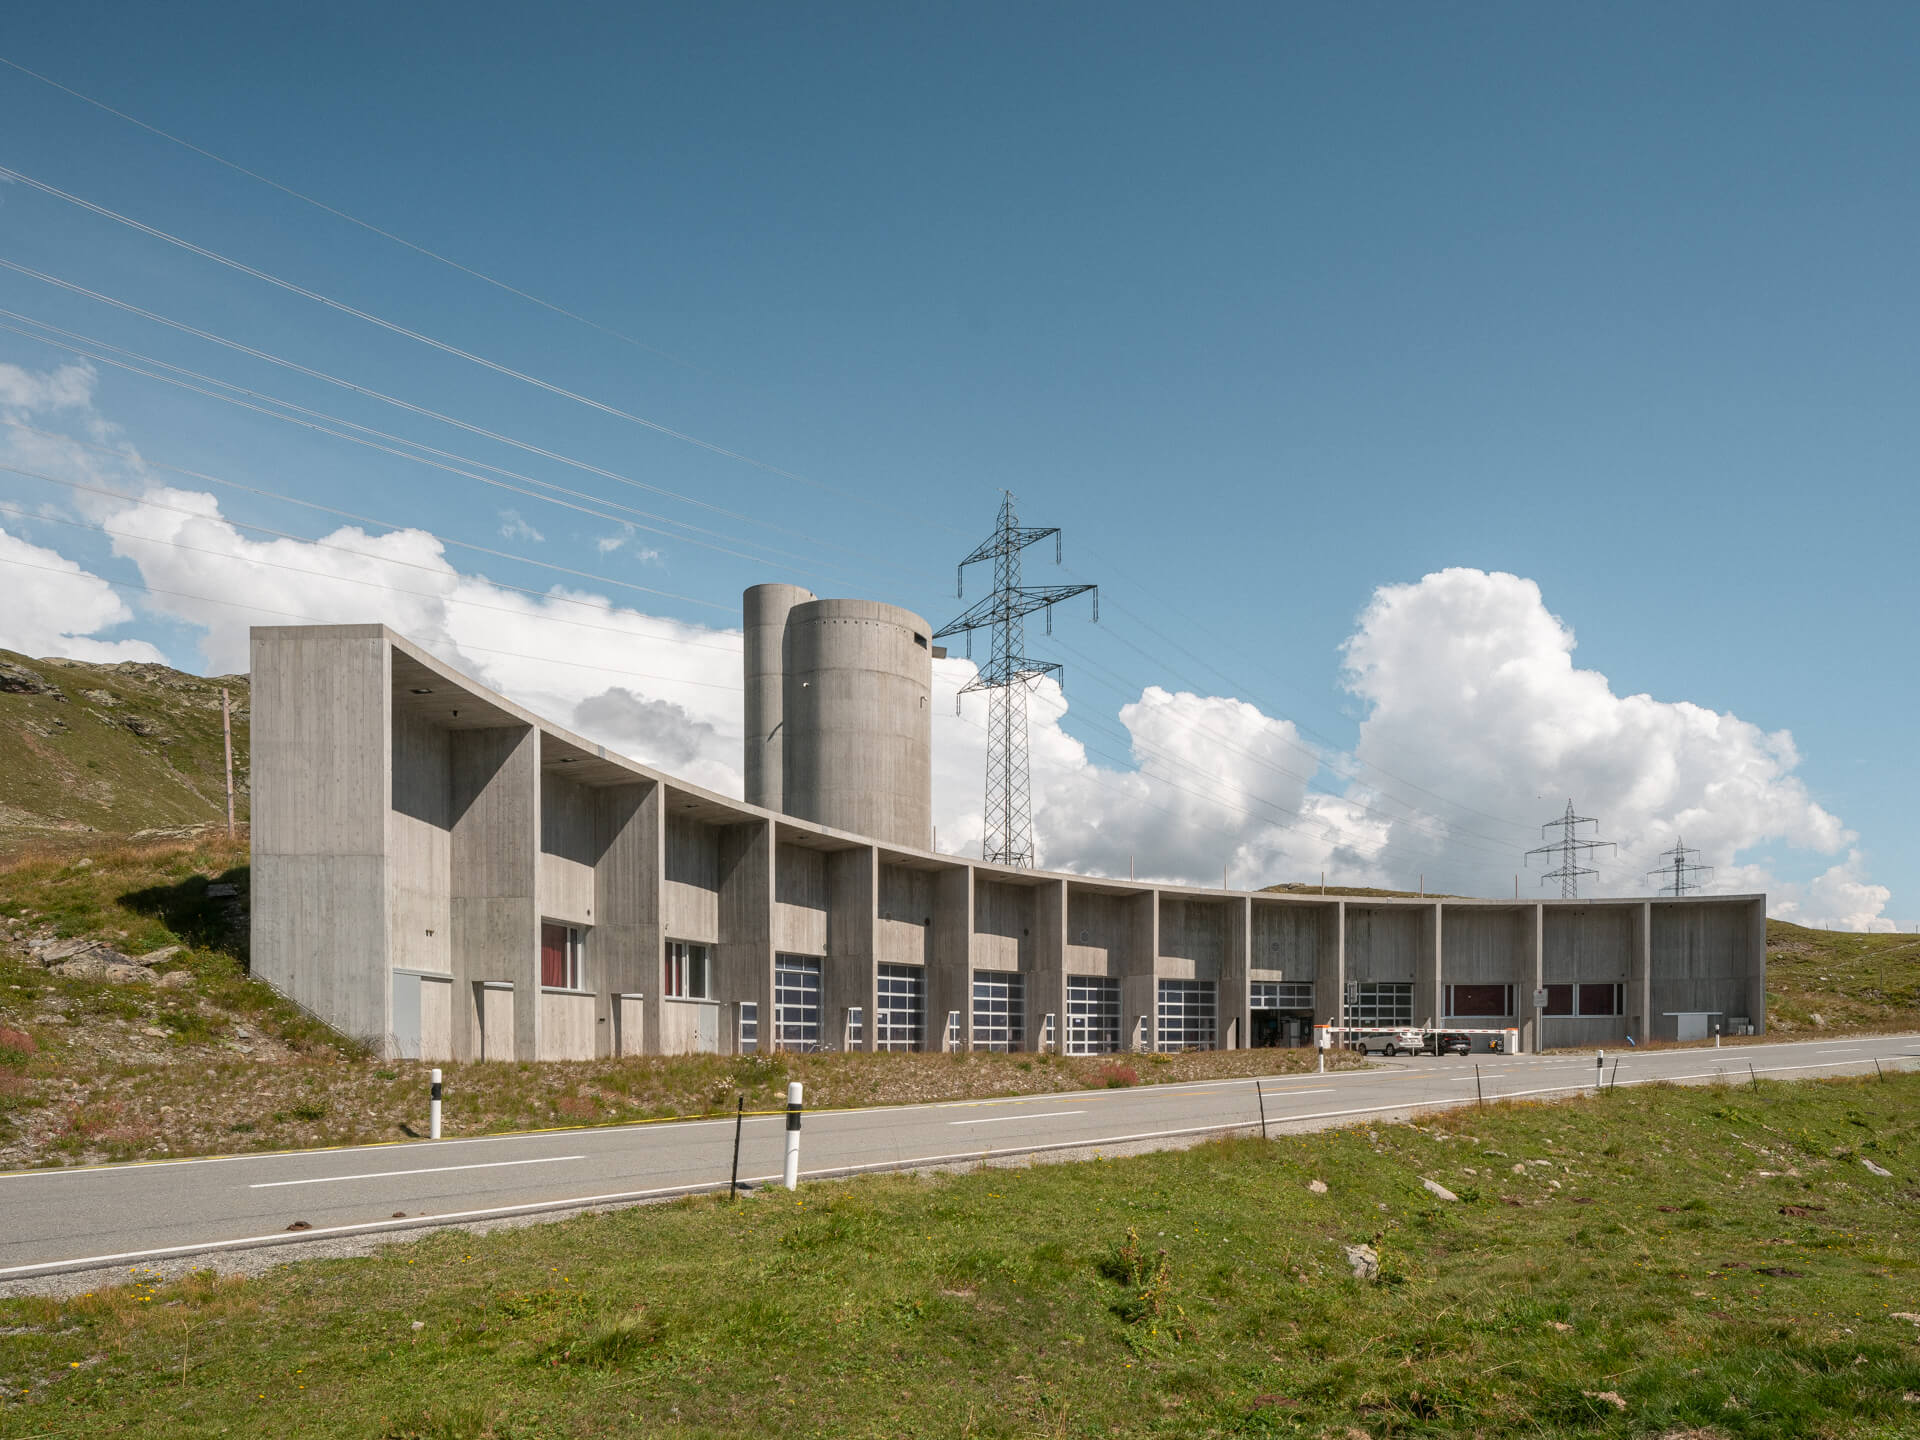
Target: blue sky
x,y
1269,307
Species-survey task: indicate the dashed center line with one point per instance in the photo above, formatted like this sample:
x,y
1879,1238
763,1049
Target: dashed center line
x,y
430,1170
1033,1115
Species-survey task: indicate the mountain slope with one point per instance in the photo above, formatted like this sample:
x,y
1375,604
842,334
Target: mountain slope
x,y
113,749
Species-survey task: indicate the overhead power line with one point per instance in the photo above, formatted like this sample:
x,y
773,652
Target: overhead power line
x,y
443,346
102,352
391,525
366,225
371,393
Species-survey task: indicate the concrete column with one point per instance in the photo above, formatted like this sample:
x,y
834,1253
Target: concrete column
x,y
1640,972
1427,995
322,777
743,958
1138,987
495,785
1330,979
1757,966
1047,983
1236,1015
950,976
851,971
1532,976
625,954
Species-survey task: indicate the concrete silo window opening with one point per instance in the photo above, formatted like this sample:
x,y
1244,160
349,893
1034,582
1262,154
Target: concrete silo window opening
x,y
1188,1015
900,1008
999,1010
749,1039
1093,1015
796,1002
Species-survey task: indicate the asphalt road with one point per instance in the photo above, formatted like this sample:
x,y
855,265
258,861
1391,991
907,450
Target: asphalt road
x,y
62,1220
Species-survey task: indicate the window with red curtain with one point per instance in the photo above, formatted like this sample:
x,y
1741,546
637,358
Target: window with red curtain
x,y
553,957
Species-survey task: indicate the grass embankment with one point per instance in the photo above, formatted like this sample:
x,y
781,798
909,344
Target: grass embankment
x,y
91,1070
1838,980
89,749
1653,1261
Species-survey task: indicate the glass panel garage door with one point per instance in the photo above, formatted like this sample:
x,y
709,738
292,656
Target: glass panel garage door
x,y
1380,1004
1187,1015
900,1009
796,1002
999,1010
1283,995
1093,1015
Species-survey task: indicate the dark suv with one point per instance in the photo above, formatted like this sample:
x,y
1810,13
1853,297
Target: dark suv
x,y
1442,1042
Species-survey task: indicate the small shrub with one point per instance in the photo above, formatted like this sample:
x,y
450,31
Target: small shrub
x,y
1118,1077
621,1342
1144,1279
15,1046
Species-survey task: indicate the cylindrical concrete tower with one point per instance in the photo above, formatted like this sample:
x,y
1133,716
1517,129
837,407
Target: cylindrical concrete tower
x,y
765,609
857,752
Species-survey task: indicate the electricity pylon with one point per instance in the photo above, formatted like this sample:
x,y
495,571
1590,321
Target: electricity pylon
x,y
1007,677
1571,848
1680,872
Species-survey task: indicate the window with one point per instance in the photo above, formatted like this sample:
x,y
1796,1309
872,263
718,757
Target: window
x,y
1187,1014
1479,1002
749,1027
900,1007
559,956
796,1002
1602,999
856,1027
1379,1004
999,1010
1586,999
689,974
1283,995
1093,1015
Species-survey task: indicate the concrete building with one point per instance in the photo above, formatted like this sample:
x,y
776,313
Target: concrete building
x,y
448,876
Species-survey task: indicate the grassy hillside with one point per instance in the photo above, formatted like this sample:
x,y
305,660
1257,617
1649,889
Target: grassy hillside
x,y
1831,979
88,750
1713,1264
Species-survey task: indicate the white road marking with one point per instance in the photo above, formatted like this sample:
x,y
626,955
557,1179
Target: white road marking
x,y
1035,1115
1837,1049
430,1170
1279,1094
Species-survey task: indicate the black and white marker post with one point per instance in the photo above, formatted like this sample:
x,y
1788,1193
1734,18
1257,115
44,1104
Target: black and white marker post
x,y
790,1177
433,1109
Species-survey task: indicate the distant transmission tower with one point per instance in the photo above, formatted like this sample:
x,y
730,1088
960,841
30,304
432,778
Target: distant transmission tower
x,y
1571,849
1007,677
1678,871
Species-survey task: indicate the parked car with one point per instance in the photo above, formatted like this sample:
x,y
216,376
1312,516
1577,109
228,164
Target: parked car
x,y
1447,1042
1390,1042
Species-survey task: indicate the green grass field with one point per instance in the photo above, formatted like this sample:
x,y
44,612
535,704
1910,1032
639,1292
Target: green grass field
x,y
1656,1261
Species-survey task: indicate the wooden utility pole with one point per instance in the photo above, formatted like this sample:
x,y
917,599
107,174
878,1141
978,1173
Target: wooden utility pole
x,y
226,726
